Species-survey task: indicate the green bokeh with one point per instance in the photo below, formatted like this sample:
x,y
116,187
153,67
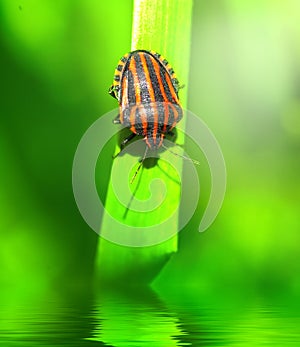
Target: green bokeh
x,y
245,85
57,62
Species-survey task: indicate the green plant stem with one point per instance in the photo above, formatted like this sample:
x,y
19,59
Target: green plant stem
x,y
163,26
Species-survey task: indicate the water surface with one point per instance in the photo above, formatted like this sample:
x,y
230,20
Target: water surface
x,y
143,318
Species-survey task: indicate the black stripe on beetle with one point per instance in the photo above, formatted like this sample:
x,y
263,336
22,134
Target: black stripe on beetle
x,y
146,88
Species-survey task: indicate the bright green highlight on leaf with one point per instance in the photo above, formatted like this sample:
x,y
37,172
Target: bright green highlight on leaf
x,y
163,26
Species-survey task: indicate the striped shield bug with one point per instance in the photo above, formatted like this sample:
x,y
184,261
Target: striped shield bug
x,y
146,88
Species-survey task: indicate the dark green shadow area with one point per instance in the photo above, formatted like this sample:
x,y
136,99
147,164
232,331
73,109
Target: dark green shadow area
x,y
54,82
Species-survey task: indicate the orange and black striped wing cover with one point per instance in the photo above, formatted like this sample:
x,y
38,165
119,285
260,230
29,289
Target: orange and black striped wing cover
x,y
147,91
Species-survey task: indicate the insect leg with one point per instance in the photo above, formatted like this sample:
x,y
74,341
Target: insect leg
x,y
170,133
117,120
129,138
112,91
123,143
140,165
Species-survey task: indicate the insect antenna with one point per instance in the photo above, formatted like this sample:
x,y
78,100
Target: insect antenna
x,y
140,165
181,156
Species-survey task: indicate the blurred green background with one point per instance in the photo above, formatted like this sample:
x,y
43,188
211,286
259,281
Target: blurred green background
x,y
57,62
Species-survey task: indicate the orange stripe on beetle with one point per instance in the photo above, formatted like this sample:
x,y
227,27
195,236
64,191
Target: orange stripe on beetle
x,y
146,88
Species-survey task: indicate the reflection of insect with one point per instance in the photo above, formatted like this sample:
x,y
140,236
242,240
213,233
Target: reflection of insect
x,y
146,88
